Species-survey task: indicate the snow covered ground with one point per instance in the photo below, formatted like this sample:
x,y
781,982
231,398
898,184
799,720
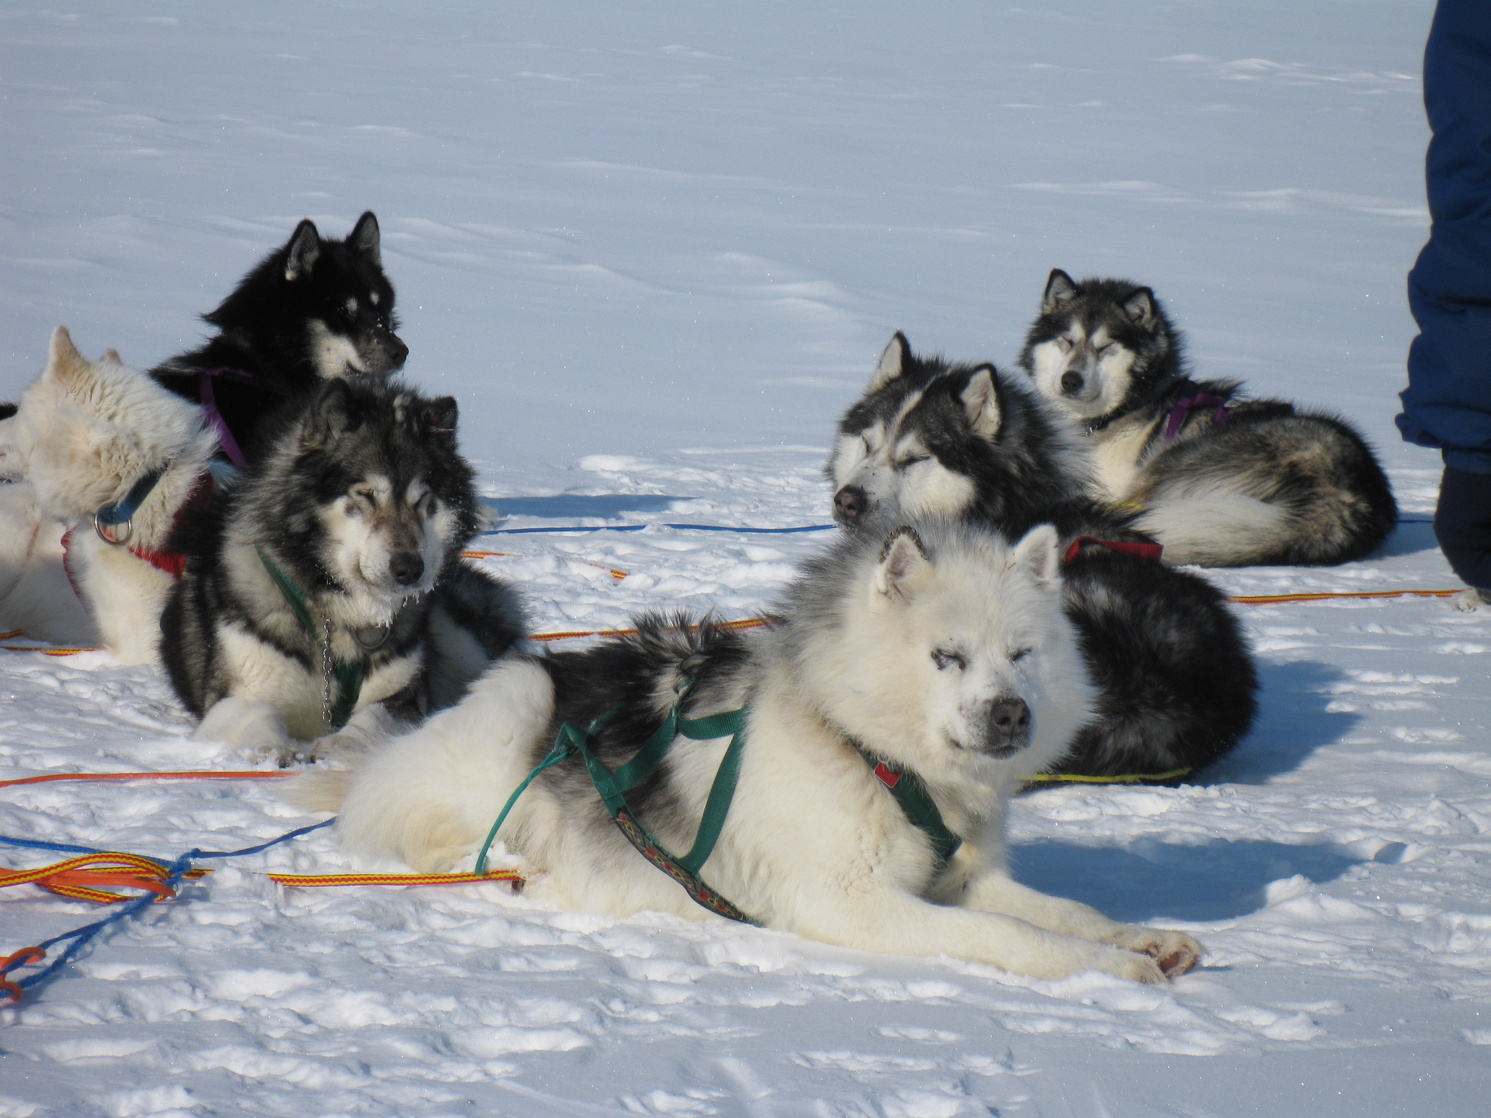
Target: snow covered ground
x,y
654,250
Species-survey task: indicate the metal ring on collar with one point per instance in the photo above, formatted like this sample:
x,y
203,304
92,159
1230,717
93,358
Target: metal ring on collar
x,y
128,527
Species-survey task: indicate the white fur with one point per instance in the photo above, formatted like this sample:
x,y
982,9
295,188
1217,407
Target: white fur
x,y
84,434
814,844
335,355
1105,366
1215,526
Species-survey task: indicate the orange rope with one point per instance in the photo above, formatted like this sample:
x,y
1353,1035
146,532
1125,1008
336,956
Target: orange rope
x,y
325,880
77,877
612,571
1275,599
49,777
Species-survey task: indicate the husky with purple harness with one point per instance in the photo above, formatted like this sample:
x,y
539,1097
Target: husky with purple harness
x,y
1219,479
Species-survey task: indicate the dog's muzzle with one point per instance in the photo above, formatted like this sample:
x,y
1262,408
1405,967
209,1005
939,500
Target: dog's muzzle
x,y
850,505
383,353
1007,727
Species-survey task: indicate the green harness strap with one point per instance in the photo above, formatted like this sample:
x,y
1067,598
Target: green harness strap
x,y
916,804
613,787
347,675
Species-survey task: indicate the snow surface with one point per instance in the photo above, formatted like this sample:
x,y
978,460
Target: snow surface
x,y
654,250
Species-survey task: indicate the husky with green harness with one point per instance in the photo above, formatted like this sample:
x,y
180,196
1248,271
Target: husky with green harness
x,y
842,773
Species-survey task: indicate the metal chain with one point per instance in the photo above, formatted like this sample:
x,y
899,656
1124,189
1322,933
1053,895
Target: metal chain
x,y
328,670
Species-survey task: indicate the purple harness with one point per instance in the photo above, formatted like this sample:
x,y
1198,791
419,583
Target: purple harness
x,y
208,400
1188,403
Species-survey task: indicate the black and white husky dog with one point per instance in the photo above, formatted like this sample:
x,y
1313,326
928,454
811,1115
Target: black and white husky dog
x,y
1176,682
1219,479
934,659
325,599
315,308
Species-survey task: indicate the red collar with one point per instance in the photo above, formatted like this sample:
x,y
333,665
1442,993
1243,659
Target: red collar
x,y
1150,551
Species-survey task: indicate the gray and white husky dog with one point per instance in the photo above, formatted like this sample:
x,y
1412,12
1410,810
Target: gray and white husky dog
x,y
1219,479
934,654
325,599
1176,682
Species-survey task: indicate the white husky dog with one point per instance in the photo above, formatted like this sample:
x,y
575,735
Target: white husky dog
x,y
110,458
935,659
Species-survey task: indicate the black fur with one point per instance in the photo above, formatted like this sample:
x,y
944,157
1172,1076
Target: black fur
x,y
1020,479
346,432
629,678
266,329
1177,685
1310,462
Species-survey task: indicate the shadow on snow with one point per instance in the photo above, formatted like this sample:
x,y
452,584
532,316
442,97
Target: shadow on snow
x,y
1148,881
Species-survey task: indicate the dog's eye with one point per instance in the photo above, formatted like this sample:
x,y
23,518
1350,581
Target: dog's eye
x,y
1064,344
364,498
1102,349
1018,655
913,459
946,658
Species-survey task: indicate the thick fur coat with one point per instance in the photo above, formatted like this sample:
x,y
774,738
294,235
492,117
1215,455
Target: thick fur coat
x,y
86,436
937,649
1221,480
1176,683
338,553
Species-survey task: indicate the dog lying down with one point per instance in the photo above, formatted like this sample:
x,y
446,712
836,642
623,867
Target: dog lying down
x,y
935,659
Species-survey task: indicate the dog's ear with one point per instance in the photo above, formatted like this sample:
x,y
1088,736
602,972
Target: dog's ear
x,y
1060,290
1039,551
981,403
1140,308
112,357
332,413
893,361
65,364
904,569
365,239
438,417
302,251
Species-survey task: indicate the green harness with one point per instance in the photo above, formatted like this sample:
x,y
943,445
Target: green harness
x,y
910,793
345,675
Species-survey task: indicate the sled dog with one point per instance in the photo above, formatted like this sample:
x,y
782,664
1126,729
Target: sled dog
x,y
315,308
1176,683
111,460
325,599
935,655
1221,480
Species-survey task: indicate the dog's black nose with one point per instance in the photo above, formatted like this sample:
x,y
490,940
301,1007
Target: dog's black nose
x,y
1010,720
1071,383
407,567
397,351
850,504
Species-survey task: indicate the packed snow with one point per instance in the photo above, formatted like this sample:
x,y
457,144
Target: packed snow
x,y
654,251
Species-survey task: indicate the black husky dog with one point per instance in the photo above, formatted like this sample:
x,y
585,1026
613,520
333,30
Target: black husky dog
x,y
1219,479
313,309
1176,683
325,592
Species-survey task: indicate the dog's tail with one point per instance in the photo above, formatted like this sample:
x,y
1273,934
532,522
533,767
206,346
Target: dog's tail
x,y
429,798
318,791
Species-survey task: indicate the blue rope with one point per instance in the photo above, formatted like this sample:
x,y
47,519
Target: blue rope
x,y
677,527
176,873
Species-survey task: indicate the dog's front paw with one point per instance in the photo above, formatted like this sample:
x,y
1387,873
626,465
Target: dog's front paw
x,y
1133,966
1174,952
